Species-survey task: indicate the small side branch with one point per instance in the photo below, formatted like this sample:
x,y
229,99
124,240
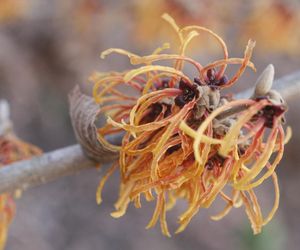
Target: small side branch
x,y
288,86
70,160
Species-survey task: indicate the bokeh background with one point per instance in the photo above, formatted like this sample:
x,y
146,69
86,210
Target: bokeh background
x,y
47,47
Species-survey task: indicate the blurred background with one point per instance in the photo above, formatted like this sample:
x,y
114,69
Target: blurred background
x,y
47,47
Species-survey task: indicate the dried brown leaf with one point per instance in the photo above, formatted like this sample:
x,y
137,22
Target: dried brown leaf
x,y
83,112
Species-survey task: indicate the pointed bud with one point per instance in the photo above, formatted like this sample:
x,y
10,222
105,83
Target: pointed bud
x,y
265,81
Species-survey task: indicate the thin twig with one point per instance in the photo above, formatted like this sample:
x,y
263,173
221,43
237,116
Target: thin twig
x,y
231,112
288,86
70,160
5,123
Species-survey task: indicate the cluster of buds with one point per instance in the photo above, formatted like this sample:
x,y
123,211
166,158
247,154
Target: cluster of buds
x,y
183,139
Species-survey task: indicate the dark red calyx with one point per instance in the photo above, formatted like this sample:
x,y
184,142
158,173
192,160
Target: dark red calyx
x,y
198,81
188,93
211,75
270,112
212,80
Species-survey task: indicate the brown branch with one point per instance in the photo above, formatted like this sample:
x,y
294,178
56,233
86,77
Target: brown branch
x,y
70,160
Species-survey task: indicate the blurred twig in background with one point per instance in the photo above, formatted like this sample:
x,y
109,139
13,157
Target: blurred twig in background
x,y
5,123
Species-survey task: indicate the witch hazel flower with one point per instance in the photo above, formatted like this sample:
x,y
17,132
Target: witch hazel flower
x,y
183,139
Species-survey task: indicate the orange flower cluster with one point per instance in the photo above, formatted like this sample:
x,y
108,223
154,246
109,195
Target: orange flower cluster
x,y
11,149
179,143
